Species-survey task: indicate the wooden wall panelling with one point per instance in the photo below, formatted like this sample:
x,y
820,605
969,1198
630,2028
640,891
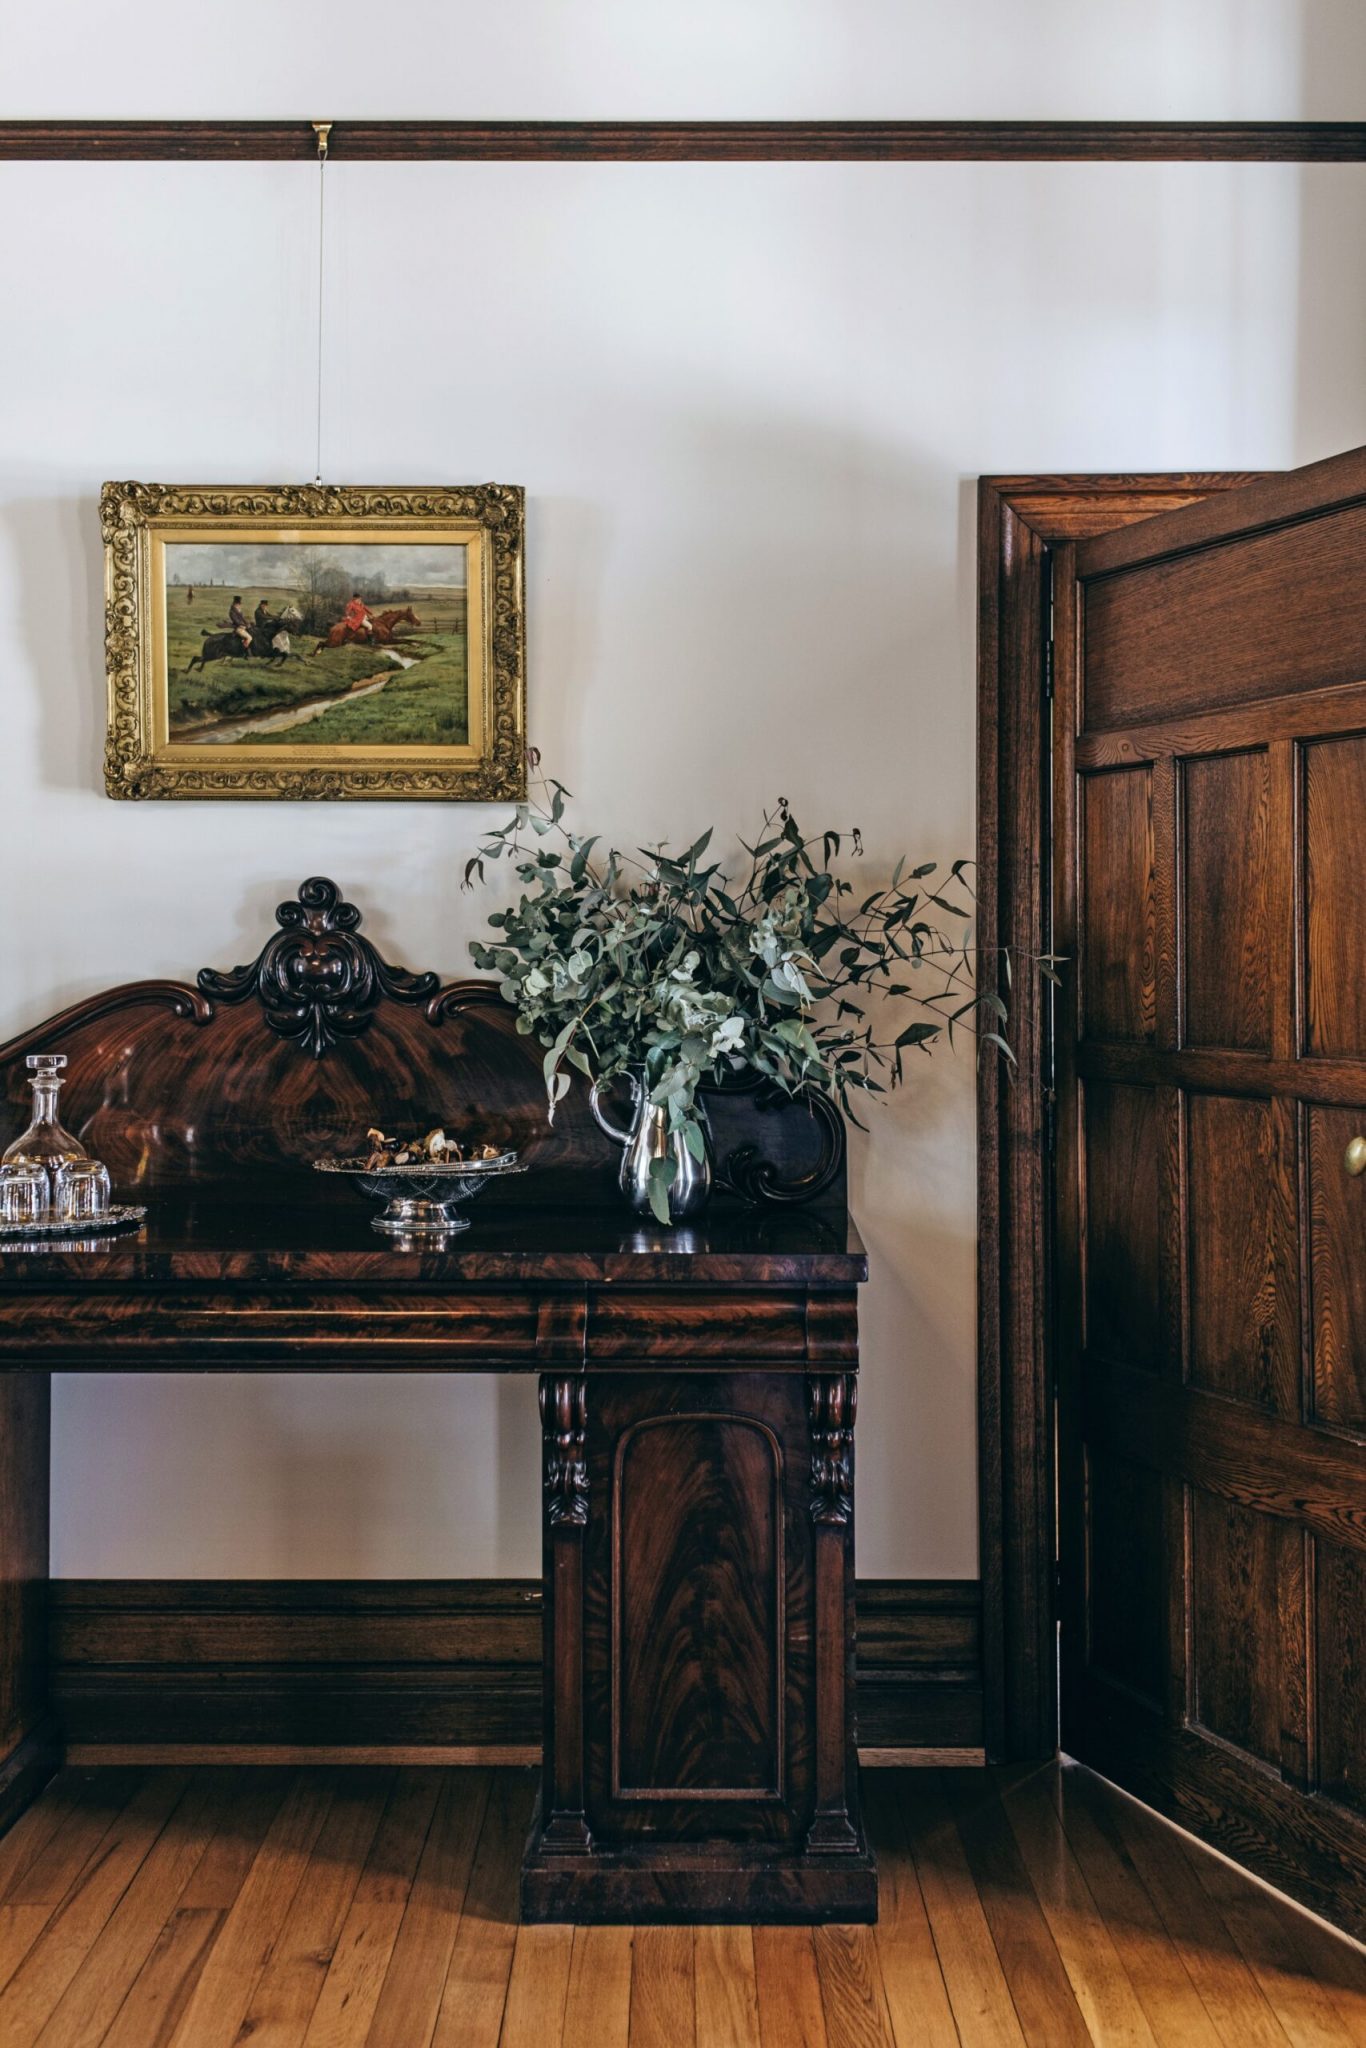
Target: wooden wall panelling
x,y
1335,898
360,1664
1226,915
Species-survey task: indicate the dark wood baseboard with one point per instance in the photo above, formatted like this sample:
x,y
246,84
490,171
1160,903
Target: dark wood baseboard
x,y
303,1666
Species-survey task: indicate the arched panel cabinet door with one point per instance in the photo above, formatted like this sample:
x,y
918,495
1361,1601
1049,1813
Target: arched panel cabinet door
x,y
718,1770
697,1628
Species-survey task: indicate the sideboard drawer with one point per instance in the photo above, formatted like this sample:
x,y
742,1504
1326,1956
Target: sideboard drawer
x,y
188,1329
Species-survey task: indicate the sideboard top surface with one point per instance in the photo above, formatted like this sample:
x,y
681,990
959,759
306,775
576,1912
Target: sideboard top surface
x,y
280,1230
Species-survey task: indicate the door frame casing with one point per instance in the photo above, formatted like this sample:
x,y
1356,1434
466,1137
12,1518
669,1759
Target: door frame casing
x,y
1020,520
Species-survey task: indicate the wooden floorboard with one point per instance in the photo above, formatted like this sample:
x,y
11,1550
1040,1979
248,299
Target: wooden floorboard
x,y
377,1908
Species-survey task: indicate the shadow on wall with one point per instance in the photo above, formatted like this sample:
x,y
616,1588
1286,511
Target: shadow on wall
x,y
59,576
354,1478
1331,299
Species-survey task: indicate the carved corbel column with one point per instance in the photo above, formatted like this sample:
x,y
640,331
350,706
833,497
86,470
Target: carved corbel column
x,y
832,1400
564,1425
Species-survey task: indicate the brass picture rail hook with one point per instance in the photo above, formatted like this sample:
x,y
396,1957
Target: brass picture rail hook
x,y
322,129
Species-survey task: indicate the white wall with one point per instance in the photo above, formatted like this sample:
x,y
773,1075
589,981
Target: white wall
x,y
748,404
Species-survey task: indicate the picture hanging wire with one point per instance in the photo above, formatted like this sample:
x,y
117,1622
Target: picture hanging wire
x,y
322,129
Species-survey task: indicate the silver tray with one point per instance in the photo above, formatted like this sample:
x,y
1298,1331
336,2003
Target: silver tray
x,y
422,1198
118,1216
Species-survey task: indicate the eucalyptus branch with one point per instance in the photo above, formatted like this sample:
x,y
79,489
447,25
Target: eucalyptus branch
x,y
655,961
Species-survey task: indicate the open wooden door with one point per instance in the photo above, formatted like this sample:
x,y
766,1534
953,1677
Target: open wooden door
x,y
1210,899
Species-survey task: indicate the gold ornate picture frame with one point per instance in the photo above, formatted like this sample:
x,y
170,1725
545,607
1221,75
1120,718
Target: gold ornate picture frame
x,y
315,640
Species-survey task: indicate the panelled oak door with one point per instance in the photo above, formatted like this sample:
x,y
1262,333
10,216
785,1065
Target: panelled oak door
x,y
1210,899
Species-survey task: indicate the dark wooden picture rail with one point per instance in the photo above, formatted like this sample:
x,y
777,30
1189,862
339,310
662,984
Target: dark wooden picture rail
x,y
364,141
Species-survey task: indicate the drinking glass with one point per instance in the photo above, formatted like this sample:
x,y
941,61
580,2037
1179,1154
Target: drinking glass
x,y
23,1193
80,1190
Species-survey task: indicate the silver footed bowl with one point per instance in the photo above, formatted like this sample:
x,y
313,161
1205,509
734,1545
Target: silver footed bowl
x,y
422,1199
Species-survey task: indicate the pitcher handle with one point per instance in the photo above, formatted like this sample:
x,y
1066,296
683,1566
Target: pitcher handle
x,y
604,1123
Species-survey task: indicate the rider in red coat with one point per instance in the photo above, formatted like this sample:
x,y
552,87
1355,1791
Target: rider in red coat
x,y
356,618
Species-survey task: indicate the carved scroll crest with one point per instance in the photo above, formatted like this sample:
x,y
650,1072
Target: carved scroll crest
x,y
317,979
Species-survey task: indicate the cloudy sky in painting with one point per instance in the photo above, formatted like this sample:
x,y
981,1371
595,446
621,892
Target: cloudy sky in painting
x,y
271,563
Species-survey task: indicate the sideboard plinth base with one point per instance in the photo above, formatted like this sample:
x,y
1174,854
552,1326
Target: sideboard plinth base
x,y
729,1882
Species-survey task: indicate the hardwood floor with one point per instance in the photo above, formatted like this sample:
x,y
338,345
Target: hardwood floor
x,y
331,1908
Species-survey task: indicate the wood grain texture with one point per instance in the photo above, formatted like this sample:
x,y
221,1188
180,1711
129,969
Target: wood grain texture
x,y
1216,1261
1040,1988
1213,1961
1192,631
1243,1202
735,1796
243,1947
1053,1902
1119,954
791,2013
1340,1626
1086,1948
912,1981
1226,878
1337,1270
410,2001
1150,1958
597,2007
94,1995
360,1960
1246,1570
663,1989
725,1988
538,1987
1023,521
1335,896
692,141
973,1975
698,1586
349,1671
32,1993
289,1987
475,1991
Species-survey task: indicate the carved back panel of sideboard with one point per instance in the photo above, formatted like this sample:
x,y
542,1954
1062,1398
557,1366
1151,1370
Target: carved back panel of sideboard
x,y
297,1053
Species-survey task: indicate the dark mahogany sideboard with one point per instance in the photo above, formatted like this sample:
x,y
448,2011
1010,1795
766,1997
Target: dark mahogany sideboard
x,y
697,1391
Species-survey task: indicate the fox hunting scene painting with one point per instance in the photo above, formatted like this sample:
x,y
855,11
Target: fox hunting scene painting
x,y
326,645
314,641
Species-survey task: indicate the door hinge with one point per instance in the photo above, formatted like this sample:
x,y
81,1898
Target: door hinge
x,y
1048,670
1050,1121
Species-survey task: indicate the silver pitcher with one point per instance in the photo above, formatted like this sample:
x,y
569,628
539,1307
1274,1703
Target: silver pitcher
x,y
649,1138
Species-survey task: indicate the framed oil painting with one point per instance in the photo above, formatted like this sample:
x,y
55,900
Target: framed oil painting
x,y
314,641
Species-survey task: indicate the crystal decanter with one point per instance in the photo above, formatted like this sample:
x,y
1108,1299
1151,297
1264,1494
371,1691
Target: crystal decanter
x,y
44,1143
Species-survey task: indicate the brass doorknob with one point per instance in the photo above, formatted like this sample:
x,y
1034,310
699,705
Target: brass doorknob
x,y
1354,1159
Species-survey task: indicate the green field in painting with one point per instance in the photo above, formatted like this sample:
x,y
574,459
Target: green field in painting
x,y
423,706
426,705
